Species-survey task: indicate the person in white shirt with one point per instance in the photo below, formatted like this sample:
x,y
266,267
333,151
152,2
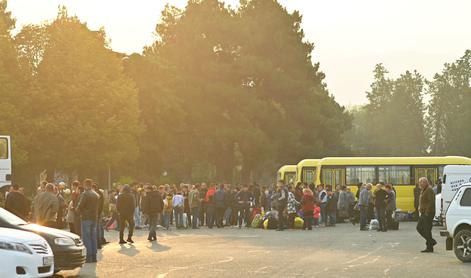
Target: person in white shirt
x,y
178,201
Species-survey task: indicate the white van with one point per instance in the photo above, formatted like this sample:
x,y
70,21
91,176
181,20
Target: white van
x,y
458,224
454,176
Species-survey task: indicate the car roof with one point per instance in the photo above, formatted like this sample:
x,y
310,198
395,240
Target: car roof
x,y
19,236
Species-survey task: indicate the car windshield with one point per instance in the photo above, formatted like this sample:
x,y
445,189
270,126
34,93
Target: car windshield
x,y
10,218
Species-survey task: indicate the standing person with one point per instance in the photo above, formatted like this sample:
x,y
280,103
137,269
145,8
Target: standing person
x,y
322,193
195,204
291,208
17,203
62,205
381,199
126,206
152,205
363,203
317,213
343,204
427,212
280,199
331,208
203,216
136,190
243,199
99,224
46,207
308,208
168,210
229,200
178,202
75,197
186,203
88,210
416,200
390,205
210,209
220,205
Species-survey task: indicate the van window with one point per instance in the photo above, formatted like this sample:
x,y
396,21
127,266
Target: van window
x,y
3,148
466,199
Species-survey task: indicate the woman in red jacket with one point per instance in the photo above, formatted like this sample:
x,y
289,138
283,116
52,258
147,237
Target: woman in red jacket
x,y
308,208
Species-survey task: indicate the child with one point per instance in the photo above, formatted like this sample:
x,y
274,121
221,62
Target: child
x,y
317,214
308,208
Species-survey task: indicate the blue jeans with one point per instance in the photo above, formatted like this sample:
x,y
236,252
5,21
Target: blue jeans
x,y
137,217
167,216
195,213
227,216
178,216
89,238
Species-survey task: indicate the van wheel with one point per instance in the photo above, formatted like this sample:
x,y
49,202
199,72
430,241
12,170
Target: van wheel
x,y
462,245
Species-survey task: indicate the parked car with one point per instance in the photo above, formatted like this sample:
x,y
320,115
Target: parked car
x,y
458,224
24,254
69,251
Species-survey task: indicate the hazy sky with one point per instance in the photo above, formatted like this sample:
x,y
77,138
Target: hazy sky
x,y
350,36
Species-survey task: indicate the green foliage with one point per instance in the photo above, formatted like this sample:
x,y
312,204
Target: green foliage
x,y
230,95
392,123
449,109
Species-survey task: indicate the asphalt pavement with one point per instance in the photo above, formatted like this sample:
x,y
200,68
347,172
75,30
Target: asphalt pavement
x,y
341,251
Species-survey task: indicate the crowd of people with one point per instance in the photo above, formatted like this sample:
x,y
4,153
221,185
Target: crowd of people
x,y
138,206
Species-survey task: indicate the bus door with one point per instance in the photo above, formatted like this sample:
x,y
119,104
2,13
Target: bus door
x,y
431,173
333,176
309,175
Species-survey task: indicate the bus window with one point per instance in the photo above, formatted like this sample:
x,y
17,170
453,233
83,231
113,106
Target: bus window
x,y
309,175
394,174
429,173
3,148
333,177
359,174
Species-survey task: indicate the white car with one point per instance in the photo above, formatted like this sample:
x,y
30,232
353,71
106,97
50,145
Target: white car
x,y
458,224
24,254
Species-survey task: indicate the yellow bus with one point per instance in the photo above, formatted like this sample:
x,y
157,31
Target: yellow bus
x,y
306,171
401,172
287,173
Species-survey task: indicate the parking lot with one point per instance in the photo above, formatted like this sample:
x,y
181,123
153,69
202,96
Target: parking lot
x,y
343,251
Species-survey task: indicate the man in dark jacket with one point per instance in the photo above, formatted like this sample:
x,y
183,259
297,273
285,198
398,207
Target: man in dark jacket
x,y
125,206
17,203
427,212
381,199
244,198
99,226
220,205
152,205
88,209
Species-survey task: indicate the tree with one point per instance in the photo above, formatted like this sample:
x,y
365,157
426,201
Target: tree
x,y
392,123
234,79
85,109
14,102
449,111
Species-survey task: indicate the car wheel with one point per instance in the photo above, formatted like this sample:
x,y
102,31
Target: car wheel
x,y
462,245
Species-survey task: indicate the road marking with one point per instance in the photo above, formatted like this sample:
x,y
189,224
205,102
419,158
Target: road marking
x,y
229,259
364,256
175,268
